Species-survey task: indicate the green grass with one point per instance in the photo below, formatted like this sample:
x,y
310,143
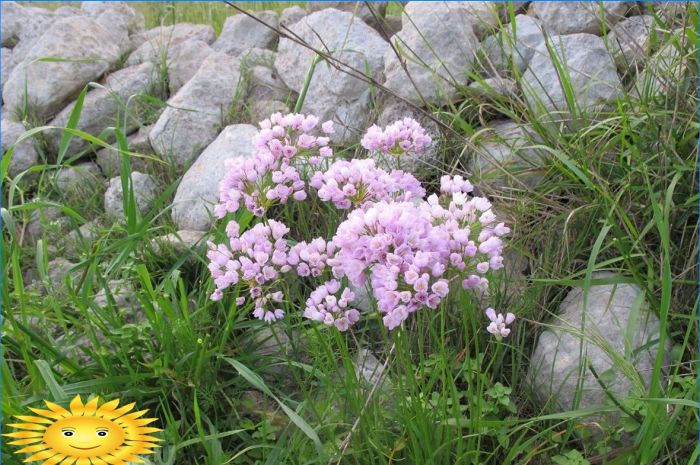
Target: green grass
x,y
619,193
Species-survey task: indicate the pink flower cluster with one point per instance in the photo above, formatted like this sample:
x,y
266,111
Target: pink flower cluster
x,y
326,306
283,144
357,183
405,136
413,252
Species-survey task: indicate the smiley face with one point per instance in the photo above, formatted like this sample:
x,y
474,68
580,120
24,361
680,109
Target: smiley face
x,y
84,436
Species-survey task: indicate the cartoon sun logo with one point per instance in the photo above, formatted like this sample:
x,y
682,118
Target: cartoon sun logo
x,y
85,435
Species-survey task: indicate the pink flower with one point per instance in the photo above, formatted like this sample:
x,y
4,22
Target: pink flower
x,y
498,326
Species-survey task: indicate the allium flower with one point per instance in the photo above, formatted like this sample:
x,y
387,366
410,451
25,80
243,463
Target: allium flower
x,y
283,145
256,258
405,136
452,185
498,326
332,307
356,183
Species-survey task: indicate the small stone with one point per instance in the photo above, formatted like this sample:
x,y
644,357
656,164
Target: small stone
x,y
40,219
82,239
144,188
124,299
195,114
198,191
241,33
110,159
291,15
577,17
504,158
83,176
58,270
156,43
24,155
359,9
265,85
133,19
6,64
370,371
667,70
615,331
180,242
494,89
506,49
262,109
184,59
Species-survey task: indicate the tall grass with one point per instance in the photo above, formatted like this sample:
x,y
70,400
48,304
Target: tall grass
x,y
619,193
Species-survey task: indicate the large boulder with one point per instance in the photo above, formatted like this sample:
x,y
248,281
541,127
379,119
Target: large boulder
x,y
575,17
333,94
46,86
590,70
24,155
241,33
514,45
195,114
80,178
184,59
668,69
102,106
6,64
22,27
612,328
144,188
199,189
439,44
505,157
132,19
291,15
155,43
358,9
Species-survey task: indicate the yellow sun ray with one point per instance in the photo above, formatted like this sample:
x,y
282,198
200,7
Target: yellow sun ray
x,y
23,442
87,434
54,460
30,419
34,448
46,413
57,409
44,454
27,426
107,407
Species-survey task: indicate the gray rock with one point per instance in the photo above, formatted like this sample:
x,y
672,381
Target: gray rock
x,y
180,242
257,56
184,59
262,109
241,33
505,159
156,42
265,85
619,335
109,159
507,49
22,27
485,16
591,70
40,219
118,27
427,163
493,89
6,64
58,270
671,12
333,94
124,299
195,114
133,19
666,70
24,155
370,371
291,15
362,301
82,177
144,188
77,38
82,239
630,43
199,189
67,11
575,17
102,106
358,9
440,45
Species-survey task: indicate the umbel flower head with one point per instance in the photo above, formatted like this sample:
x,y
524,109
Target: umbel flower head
x,y
87,433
